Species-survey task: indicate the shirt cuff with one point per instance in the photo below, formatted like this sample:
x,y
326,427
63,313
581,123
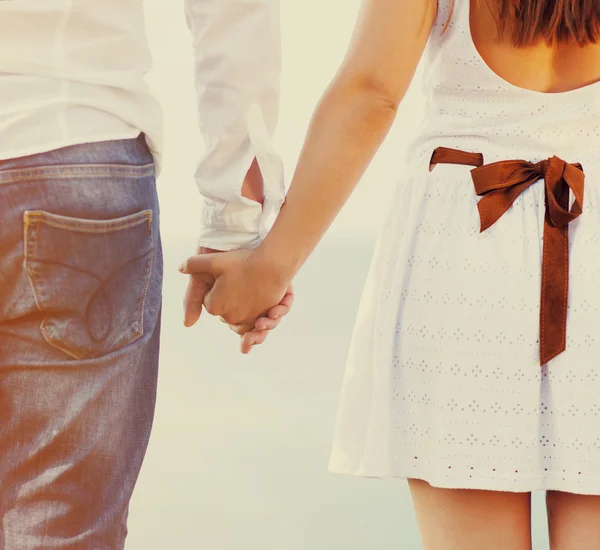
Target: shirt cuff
x,y
230,226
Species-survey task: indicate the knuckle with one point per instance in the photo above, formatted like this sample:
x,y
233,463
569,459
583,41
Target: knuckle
x,y
242,330
235,318
231,319
213,307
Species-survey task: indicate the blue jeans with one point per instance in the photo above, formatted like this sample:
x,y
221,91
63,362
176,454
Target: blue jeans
x,y
80,299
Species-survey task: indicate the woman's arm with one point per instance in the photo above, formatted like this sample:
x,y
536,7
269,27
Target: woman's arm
x,y
351,121
349,124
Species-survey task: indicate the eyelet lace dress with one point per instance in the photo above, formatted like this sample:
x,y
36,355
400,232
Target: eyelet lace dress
x,y
475,359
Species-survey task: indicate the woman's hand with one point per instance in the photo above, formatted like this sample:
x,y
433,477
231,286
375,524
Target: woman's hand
x,y
238,287
201,283
264,325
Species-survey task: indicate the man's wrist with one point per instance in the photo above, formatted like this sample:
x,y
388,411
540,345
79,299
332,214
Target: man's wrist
x,y
253,185
206,250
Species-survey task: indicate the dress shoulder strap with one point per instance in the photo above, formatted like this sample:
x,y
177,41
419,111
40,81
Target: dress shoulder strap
x,y
452,18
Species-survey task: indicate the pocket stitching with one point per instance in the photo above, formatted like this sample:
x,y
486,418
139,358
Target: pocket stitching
x,y
31,276
91,226
135,335
36,219
29,253
142,301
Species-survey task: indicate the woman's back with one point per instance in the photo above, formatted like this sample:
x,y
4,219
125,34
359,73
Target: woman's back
x,y
487,95
539,66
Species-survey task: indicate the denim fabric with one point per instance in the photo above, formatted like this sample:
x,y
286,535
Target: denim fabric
x,y
80,300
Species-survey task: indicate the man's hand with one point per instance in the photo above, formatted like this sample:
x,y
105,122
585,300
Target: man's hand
x,y
200,285
244,288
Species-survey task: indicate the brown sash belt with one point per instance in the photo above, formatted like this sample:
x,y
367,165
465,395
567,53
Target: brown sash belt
x,y
499,184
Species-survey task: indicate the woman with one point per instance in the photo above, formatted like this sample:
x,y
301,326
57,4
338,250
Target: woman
x,y
472,371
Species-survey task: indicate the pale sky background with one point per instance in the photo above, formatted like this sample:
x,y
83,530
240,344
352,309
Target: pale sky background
x,y
240,445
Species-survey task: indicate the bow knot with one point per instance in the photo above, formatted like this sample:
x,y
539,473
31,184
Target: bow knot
x,y
541,167
499,184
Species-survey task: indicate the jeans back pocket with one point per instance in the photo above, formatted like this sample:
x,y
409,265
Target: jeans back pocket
x,y
89,278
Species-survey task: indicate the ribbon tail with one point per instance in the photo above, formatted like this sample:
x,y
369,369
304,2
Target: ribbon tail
x,y
494,204
554,292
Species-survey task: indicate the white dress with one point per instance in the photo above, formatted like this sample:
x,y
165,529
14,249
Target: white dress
x,y
443,381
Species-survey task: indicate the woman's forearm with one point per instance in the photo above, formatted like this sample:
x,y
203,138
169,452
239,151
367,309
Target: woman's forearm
x,y
348,127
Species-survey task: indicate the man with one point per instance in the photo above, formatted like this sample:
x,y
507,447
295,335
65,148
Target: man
x,y
80,252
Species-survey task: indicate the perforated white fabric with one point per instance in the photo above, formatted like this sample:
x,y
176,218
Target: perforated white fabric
x,y
443,381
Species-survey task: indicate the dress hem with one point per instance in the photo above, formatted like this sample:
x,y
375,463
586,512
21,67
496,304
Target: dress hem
x,y
550,481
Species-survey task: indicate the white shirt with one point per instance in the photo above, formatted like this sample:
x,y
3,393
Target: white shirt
x,y
72,71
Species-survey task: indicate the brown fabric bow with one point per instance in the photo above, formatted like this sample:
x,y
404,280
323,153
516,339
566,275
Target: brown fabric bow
x,y
499,184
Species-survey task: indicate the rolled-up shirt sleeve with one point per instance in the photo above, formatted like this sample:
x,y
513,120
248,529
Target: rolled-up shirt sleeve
x,y
237,51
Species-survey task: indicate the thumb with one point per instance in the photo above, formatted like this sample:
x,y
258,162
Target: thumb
x,y
202,263
194,298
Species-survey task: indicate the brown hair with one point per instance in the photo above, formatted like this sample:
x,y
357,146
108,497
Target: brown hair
x,y
554,21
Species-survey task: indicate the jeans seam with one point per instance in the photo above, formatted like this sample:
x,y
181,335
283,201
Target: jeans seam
x,y
75,171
